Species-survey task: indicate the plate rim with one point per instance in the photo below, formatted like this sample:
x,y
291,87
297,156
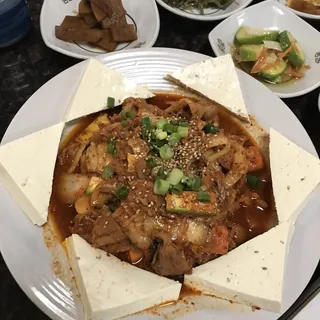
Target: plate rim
x,y
302,14
84,56
198,17
262,4
38,302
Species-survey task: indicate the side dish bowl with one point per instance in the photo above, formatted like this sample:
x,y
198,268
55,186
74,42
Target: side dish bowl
x,y
271,15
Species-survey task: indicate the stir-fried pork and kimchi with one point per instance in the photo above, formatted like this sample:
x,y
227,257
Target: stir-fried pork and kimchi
x,y
165,184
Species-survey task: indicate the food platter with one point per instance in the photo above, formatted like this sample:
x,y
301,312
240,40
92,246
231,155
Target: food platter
x,y
146,67
300,13
273,16
209,14
142,14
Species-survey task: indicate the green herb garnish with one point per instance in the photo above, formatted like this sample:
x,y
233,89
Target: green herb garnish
x,y
107,172
111,146
253,182
151,163
122,192
114,205
110,102
127,114
210,128
177,189
146,122
203,196
161,174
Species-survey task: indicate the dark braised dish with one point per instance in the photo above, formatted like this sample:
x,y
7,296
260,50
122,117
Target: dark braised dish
x,y
165,184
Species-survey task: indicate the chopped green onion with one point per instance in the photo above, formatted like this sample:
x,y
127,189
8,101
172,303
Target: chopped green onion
x,y
161,174
192,183
166,153
203,196
122,192
177,189
210,128
151,163
183,131
253,182
161,123
127,114
169,128
111,146
180,123
146,122
114,205
174,139
175,176
110,102
107,172
161,135
124,123
161,187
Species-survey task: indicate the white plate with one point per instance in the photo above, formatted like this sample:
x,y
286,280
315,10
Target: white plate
x,y
209,14
142,13
22,244
299,13
272,15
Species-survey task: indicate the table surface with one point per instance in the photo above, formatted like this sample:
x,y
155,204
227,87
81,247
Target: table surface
x,y
27,65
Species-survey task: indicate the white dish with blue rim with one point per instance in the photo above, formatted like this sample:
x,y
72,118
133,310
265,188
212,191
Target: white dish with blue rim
x,y
209,14
142,13
272,15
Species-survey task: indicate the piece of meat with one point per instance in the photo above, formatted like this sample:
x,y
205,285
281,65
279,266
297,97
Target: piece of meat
x,y
91,21
70,156
106,42
119,247
123,32
74,22
98,13
106,231
82,35
83,225
170,260
220,239
84,8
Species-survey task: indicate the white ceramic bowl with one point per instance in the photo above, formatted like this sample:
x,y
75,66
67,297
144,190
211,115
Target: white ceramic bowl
x,y
272,15
142,13
209,14
299,13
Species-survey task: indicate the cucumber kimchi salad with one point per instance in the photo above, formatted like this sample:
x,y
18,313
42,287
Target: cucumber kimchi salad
x,y
269,55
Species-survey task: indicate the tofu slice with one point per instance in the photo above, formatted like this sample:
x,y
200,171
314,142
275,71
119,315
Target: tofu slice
x,y
26,170
215,79
99,83
251,274
110,288
295,176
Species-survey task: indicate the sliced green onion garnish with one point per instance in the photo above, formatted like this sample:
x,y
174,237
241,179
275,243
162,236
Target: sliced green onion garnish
x,y
174,139
166,153
111,146
161,123
177,189
107,172
124,123
127,114
122,192
114,205
182,131
161,187
253,182
210,128
161,135
175,176
161,174
151,163
169,128
203,196
110,102
146,122
181,123
192,183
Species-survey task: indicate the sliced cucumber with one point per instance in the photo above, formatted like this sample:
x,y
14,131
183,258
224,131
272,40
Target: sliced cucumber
x,y
251,52
274,72
247,35
296,54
